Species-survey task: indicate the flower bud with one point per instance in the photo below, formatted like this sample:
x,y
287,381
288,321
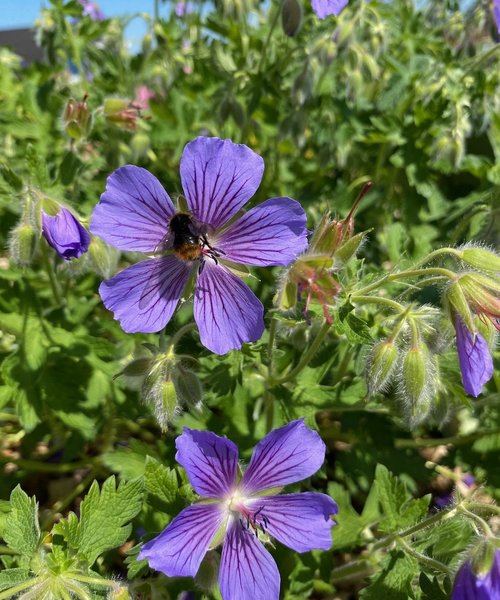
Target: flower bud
x,y
483,294
122,113
208,572
77,118
350,248
416,384
103,257
481,258
381,363
457,303
309,276
63,231
139,367
187,386
291,17
120,592
479,576
22,244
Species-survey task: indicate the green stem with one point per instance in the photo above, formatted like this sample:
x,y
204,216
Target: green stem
x,y
433,442
11,592
94,580
482,506
479,59
34,465
52,278
439,252
7,550
356,299
403,274
429,562
182,331
270,346
357,569
60,505
477,519
306,357
268,38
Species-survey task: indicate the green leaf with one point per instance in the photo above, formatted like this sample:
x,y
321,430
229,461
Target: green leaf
x,y
160,482
393,581
23,531
11,178
11,577
104,518
399,509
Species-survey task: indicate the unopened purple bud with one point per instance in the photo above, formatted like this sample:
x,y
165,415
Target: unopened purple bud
x,y
480,581
64,232
474,357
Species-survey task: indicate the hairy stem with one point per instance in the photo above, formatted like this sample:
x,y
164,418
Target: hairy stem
x,y
306,357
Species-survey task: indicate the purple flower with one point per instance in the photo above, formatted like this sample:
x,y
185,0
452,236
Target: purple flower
x,y
471,586
242,512
324,8
65,234
496,13
135,213
474,357
92,10
183,8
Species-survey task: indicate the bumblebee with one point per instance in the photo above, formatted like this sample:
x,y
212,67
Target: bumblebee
x,y
186,237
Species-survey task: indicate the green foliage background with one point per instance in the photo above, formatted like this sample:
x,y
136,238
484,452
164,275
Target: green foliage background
x,y
406,98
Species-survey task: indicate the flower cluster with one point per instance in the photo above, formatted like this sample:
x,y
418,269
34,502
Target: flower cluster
x,y
135,213
242,512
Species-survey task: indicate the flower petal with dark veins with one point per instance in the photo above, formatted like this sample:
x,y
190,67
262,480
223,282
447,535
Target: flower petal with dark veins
x,y
134,211
300,521
227,312
272,233
210,461
180,548
143,297
247,570
286,455
218,177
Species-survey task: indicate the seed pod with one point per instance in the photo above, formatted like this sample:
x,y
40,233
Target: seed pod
x,y
22,244
381,363
291,17
481,258
166,405
103,258
188,387
416,384
121,592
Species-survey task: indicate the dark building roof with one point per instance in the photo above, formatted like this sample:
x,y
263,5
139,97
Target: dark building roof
x,y
22,42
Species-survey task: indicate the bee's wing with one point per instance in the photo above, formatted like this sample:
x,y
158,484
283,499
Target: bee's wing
x,y
164,244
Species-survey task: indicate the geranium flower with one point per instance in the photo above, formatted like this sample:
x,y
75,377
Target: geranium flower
x,y
325,8
64,232
474,357
135,213
470,585
92,10
496,13
242,512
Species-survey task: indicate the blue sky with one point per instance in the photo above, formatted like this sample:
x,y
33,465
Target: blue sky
x,y
22,13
